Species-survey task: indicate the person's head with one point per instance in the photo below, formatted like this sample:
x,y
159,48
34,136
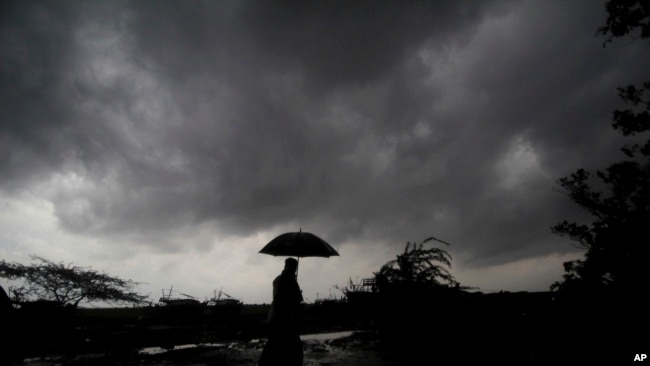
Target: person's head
x,y
291,265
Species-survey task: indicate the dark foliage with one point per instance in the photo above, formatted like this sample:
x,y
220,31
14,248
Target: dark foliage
x,y
64,284
418,265
626,17
617,241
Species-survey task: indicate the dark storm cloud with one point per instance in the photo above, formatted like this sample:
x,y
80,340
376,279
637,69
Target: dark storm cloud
x,y
335,44
36,45
385,122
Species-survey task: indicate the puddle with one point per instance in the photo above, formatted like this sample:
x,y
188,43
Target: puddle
x,y
326,336
304,337
159,350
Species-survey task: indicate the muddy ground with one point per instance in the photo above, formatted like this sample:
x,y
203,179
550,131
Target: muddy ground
x,y
480,330
359,348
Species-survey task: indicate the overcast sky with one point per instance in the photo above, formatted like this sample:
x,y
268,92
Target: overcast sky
x,y
169,141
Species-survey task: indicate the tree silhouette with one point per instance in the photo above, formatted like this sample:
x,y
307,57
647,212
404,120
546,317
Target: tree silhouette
x,y
68,284
419,266
617,241
626,17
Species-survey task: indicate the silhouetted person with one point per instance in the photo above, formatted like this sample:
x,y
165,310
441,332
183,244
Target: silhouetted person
x,y
12,352
284,346
5,302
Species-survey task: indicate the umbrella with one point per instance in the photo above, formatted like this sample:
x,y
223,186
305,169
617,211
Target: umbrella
x,y
299,244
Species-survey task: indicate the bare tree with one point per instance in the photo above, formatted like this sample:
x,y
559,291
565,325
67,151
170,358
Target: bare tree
x,y
68,284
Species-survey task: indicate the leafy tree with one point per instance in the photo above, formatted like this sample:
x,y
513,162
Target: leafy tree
x,y
626,17
617,241
68,284
418,266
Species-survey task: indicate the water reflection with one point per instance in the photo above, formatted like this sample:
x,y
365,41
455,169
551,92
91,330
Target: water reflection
x,y
304,337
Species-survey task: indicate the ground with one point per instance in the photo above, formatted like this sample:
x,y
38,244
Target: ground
x,y
340,349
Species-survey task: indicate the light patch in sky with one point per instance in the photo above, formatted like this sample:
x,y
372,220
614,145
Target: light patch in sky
x,y
529,274
210,262
518,165
16,216
29,227
421,130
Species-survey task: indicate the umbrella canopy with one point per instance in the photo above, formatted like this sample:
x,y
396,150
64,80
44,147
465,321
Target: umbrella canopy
x,y
299,244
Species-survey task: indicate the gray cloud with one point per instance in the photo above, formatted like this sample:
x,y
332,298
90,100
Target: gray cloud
x,y
380,123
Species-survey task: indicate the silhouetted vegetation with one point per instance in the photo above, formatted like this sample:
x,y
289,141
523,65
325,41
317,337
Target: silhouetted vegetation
x,y
62,284
418,266
603,294
616,242
626,18
417,308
